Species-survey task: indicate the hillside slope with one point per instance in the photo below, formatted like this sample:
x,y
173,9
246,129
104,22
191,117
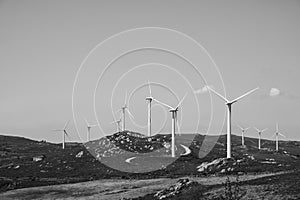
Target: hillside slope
x,y
133,151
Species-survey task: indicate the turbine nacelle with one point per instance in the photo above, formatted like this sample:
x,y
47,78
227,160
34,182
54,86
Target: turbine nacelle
x,y
64,128
149,99
277,133
174,110
171,109
260,131
88,125
243,129
230,102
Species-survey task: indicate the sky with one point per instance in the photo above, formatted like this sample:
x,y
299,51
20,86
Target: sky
x,y
45,45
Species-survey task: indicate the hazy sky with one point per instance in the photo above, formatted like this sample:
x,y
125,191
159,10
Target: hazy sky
x,y
43,43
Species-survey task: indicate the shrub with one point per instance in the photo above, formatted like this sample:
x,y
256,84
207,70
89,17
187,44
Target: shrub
x,y
232,190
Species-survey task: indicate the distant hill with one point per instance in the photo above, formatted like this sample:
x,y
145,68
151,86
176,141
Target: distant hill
x,y
14,139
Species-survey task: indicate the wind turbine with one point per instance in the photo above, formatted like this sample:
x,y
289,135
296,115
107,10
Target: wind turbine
x,y
243,133
118,123
149,99
228,104
89,126
259,136
277,133
123,109
174,121
64,132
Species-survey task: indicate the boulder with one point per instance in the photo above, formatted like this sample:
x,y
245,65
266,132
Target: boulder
x,y
178,187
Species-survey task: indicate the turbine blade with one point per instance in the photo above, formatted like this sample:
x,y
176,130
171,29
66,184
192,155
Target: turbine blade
x,y
247,128
282,135
163,104
240,127
219,95
119,110
67,135
94,125
65,132
257,129
179,104
57,130
246,94
264,129
125,98
66,124
150,89
130,113
86,121
277,127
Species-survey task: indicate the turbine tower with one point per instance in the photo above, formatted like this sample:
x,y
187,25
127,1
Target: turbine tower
x,y
149,99
174,121
118,124
243,133
229,104
123,109
259,136
277,133
89,126
64,133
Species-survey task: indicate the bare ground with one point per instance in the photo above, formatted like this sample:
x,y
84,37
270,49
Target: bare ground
x,y
115,189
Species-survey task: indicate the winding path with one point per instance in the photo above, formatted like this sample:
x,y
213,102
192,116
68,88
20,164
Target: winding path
x,y
129,159
187,150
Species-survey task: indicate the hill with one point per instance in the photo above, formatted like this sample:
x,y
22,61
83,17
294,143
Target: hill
x,y
27,163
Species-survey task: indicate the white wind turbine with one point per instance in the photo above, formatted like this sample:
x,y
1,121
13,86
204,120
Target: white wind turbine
x,y
118,124
277,133
228,104
64,132
174,121
89,126
123,109
243,134
259,136
149,99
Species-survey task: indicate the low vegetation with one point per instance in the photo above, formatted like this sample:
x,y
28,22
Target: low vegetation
x,y
28,163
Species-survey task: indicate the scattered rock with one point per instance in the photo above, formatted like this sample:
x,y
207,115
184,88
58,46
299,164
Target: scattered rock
x,y
206,165
178,187
38,158
79,155
167,145
268,162
251,157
